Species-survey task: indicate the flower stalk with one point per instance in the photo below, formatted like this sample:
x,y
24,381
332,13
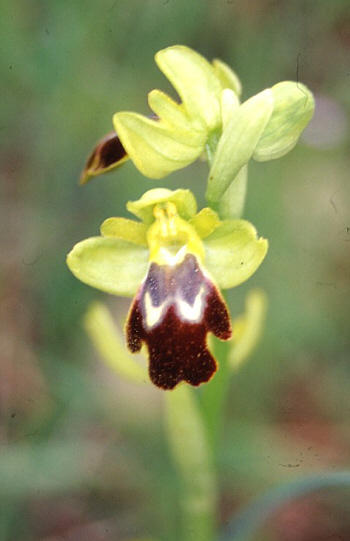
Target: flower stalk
x,y
192,457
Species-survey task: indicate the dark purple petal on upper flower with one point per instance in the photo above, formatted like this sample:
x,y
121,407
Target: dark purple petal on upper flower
x,y
172,313
107,154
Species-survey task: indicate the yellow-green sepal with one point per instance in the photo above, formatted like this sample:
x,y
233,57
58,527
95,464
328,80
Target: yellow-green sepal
x,y
122,228
196,82
233,252
292,110
156,148
238,142
109,264
184,201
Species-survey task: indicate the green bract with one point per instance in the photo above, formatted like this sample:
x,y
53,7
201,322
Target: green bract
x,y
117,262
238,142
293,107
265,127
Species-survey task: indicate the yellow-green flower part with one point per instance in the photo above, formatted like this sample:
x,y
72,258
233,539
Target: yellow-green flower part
x,y
175,134
117,261
174,260
208,119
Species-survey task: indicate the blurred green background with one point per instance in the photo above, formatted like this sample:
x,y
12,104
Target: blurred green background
x,y
83,454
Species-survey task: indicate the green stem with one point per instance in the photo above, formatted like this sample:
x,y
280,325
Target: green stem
x,y
192,457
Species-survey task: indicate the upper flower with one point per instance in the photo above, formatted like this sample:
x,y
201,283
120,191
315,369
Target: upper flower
x,y
174,260
208,118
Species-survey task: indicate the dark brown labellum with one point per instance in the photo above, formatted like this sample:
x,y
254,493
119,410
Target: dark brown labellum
x,y
172,313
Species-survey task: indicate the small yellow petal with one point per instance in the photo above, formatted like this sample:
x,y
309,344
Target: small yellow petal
x,y
205,222
227,76
125,229
195,80
168,110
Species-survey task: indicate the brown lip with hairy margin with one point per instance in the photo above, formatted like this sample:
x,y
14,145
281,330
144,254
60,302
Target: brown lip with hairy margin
x,y
177,347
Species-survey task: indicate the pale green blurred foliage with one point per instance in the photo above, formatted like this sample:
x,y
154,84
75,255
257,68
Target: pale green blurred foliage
x,y
110,344
249,328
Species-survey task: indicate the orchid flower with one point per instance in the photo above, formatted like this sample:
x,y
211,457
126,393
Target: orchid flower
x,y
174,261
